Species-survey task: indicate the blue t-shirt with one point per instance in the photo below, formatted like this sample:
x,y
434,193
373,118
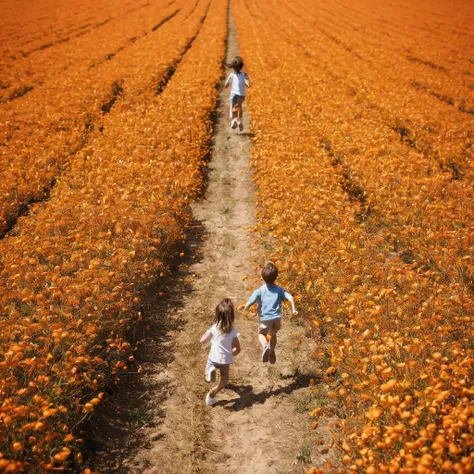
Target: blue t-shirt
x,y
269,299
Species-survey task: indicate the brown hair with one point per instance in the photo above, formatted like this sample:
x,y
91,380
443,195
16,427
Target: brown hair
x,y
237,64
225,315
269,273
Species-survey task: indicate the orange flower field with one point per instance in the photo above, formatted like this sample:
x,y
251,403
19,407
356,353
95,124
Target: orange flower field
x,y
366,117
363,119
59,116
73,270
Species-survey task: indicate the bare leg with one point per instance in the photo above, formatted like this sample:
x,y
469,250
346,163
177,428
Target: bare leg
x,y
263,340
222,384
273,343
273,340
233,115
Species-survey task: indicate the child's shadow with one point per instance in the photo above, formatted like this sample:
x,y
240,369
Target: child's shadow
x,y
247,398
246,134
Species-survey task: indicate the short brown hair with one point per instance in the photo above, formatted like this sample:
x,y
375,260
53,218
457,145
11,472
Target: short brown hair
x,y
269,273
237,64
225,315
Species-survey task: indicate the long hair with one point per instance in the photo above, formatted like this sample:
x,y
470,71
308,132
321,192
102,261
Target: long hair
x,y
225,315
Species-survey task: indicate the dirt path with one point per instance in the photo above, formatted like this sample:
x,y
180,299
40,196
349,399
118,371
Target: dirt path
x,y
260,423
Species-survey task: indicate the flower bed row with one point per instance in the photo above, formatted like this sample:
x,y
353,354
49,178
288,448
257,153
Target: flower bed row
x,y
73,274
440,60
396,332
88,48
43,130
25,29
401,186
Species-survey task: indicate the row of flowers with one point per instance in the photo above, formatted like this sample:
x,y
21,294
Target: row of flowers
x,y
40,26
73,274
108,32
41,132
371,238
416,189
440,61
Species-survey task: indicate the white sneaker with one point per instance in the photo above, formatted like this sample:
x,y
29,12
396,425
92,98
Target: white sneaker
x,y
266,353
211,375
210,400
233,124
241,125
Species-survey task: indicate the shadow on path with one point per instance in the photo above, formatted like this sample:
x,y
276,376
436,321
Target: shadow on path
x,y
247,398
112,433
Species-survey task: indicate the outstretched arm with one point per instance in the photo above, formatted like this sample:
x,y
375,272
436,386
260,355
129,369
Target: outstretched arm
x,y
252,300
289,298
247,80
228,81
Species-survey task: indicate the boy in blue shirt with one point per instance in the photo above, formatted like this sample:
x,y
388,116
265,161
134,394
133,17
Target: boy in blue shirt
x,y
269,298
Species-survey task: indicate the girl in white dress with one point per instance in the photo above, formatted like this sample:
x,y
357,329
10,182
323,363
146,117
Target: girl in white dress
x,y
239,81
225,345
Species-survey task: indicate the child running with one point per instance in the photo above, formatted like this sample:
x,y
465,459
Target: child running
x,y
225,345
269,298
239,80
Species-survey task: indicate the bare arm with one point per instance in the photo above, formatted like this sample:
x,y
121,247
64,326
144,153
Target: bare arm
x,y
206,337
252,300
289,298
228,81
235,346
247,80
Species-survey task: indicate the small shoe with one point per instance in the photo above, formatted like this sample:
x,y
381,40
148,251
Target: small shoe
x,y
210,400
233,124
241,126
211,375
272,357
265,353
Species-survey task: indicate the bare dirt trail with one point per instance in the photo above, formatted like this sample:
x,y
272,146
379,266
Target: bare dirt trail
x,y
260,423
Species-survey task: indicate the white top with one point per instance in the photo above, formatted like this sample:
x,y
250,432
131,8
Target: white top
x,y
221,345
238,82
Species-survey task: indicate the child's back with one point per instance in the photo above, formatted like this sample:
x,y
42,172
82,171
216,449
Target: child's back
x,y
269,298
238,83
225,345
221,345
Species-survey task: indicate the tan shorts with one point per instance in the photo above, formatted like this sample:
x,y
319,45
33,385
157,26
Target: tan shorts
x,y
265,326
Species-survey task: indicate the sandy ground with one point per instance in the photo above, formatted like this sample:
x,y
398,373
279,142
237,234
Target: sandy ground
x,y
260,423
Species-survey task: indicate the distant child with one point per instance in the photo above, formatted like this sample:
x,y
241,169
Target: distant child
x,y
225,345
239,80
269,298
